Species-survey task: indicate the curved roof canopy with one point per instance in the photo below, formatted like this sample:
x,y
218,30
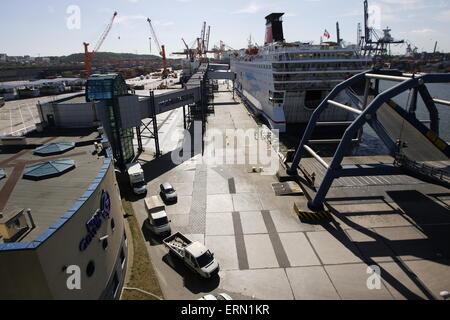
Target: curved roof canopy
x,y
49,169
2,174
54,148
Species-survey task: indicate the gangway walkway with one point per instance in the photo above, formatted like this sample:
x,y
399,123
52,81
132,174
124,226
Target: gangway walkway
x,y
140,112
408,140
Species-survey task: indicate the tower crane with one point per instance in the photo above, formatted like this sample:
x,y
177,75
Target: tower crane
x,y
162,50
88,56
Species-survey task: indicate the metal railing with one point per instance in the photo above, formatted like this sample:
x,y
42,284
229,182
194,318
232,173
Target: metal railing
x,y
366,114
422,168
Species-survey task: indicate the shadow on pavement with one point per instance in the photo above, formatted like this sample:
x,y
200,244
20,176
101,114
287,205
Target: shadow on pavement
x,y
159,166
149,236
421,212
192,281
432,219
216,104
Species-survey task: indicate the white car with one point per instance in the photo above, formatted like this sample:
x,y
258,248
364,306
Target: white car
x,y
222,296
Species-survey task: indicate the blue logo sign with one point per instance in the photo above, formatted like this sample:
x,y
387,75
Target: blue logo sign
x,y
94,224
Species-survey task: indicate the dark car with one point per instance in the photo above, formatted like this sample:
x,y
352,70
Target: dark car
x,y
168,193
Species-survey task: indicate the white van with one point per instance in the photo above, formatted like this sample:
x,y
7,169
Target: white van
x,y
158,222
137,179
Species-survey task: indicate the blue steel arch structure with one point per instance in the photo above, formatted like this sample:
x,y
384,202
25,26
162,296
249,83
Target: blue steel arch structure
x,y
367,114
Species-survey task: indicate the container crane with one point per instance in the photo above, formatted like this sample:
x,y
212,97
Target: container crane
x,y
88,56
162,50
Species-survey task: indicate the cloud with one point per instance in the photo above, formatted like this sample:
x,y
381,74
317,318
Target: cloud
x,y
394,6
402,2
444,16
424,31
162,23
251,8
125,19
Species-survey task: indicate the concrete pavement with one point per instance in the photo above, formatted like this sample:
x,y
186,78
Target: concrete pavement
x,y
267,252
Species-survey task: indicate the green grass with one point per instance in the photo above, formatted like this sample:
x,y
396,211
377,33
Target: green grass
x,y
143,274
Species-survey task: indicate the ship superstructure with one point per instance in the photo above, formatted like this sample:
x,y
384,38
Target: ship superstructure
x,y
285,82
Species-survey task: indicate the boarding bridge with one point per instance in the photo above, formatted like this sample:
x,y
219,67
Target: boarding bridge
x,y
417,149
133,110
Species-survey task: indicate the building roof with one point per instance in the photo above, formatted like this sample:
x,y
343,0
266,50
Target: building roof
x,y
48,169
110,76
37,83
49,198
76,99
54,148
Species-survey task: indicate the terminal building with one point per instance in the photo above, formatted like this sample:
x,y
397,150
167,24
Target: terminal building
x,y
60,205
62,233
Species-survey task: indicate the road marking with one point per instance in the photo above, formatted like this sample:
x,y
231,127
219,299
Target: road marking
x,y
23,129
10,118
32,116
21,116
231,186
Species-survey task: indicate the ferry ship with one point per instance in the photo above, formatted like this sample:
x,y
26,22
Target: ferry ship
x,y
284,82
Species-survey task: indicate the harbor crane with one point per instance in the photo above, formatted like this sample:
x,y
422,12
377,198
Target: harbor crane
x,y
89,56
208,33
371,42
202,44
161,48
202,39
190,52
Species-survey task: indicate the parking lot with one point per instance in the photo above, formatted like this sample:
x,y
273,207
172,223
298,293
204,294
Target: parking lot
x,y
19,116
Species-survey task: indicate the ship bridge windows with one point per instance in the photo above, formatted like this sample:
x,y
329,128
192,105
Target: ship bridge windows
x,y
292,56
318,66
300,86
290,77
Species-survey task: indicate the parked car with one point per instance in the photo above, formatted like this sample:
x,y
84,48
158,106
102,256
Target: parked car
x,y
222,296
168,193
2,102
157,216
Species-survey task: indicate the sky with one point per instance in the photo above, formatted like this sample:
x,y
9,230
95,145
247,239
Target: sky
x,y
54,27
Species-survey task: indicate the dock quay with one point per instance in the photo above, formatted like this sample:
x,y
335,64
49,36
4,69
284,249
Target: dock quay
x,y
384,237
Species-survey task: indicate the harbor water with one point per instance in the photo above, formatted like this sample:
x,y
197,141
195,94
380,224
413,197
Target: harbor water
x,y
370,144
